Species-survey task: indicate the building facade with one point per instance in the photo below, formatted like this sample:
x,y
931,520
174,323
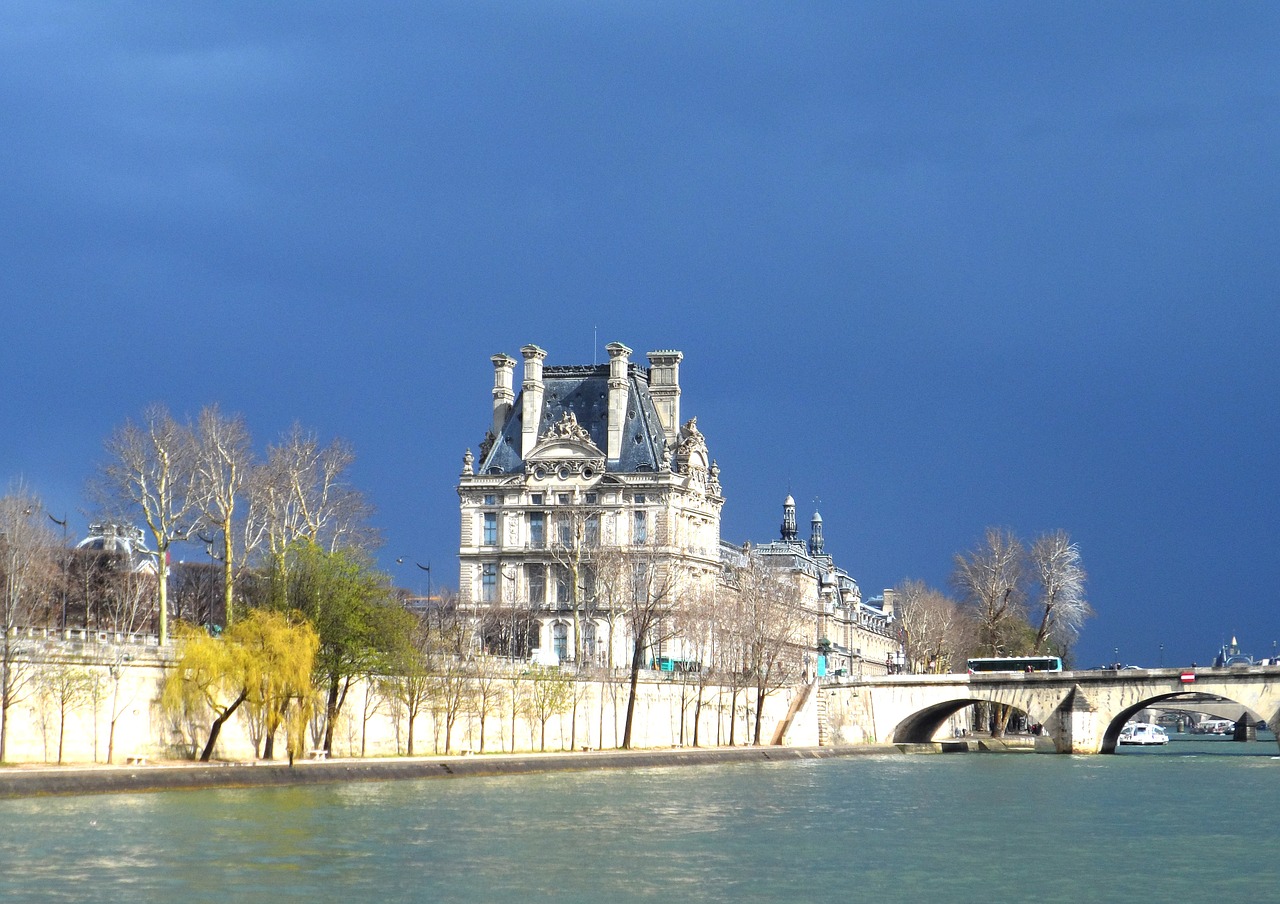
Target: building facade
x,y
590,470
847,635
585,462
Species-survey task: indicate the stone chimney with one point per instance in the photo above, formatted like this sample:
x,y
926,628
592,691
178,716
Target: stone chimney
x,y
664,387
532,413
503,397
618,361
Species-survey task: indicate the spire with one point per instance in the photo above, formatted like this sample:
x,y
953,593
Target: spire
x,y
816,545
789,520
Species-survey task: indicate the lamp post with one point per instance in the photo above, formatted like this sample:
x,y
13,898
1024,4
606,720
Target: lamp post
x,y
66,554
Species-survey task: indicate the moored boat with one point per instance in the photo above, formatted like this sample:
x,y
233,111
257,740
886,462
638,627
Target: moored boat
x,y
1214,727
1143,734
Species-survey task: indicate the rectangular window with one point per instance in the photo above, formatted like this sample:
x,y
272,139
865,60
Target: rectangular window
x,y
639,499
593,530
640,533
640,582
592,498
537,529
563,499
490,500
490,529
537,583
535,499
564,531
564,585
489,582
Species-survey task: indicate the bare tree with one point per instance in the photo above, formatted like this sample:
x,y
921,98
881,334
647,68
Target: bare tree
x,y
29,570
932,625
411,683
550,693
1059,579
150,468
223,459
990,582
648,586
486,682
772,623
575,542
64,688
301,492
697,620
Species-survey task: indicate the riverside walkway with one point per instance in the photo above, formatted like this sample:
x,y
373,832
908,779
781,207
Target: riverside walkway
x,y
35,781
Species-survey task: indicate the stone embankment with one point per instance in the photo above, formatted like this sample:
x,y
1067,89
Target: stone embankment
x,y
65,780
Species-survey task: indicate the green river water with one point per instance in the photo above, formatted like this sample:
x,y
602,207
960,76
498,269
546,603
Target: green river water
x,y
1197,820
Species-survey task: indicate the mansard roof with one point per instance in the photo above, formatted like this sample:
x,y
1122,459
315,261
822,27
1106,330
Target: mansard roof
x,y
584,392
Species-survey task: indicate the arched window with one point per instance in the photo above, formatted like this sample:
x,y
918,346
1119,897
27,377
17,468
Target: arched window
x,y
560,640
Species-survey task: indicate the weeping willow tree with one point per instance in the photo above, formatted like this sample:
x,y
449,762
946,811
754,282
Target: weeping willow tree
x,y
264,661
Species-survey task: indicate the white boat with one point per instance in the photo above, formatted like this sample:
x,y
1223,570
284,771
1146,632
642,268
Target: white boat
x,y
1214,727
1143,734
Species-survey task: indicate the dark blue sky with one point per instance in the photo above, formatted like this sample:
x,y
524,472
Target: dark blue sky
x,y
938,266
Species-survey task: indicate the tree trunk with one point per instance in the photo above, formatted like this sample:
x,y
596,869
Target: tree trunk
x,y
760,695
217,726
163,590
331,713
637,654
228,588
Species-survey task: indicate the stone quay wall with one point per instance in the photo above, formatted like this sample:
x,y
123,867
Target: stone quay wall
x,y
120,718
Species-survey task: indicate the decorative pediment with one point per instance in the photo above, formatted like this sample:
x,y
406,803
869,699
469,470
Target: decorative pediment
x,y
565,451
566,440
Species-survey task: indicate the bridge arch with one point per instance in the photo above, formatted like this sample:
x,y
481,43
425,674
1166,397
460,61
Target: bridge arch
x,y
1111,736
922,726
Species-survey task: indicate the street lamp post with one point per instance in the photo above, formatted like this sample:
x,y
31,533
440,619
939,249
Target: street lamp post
x,y
66,554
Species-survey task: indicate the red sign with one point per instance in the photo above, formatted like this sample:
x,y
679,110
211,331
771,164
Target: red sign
x,y
1188,677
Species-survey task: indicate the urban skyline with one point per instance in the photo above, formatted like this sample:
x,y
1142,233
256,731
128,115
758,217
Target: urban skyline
x,y
932,270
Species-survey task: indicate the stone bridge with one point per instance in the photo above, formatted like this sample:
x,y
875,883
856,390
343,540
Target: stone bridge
x,y
1082,712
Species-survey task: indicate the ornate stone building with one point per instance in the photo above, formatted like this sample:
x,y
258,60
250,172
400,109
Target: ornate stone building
x,y
849,635
585,457
591,467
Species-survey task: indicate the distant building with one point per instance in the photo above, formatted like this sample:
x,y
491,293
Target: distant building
x,y
849,635
111,584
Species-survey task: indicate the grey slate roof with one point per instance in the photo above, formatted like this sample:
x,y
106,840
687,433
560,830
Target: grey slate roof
x,y
585,392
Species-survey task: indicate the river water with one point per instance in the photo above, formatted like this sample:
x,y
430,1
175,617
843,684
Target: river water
x,y
1197,820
